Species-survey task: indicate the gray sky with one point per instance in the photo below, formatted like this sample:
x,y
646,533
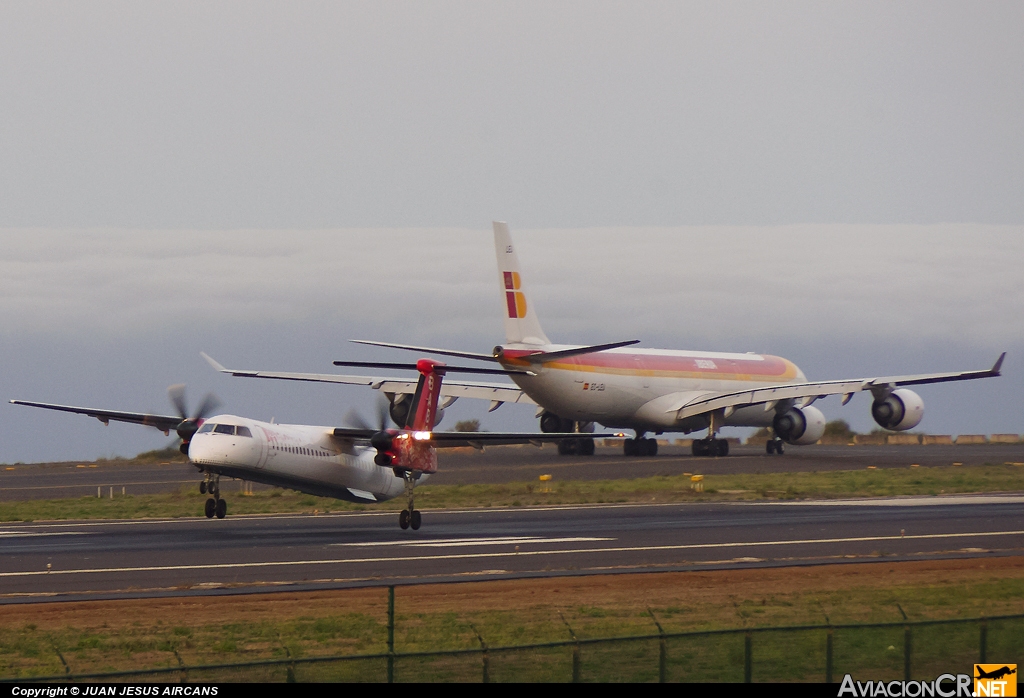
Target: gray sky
x,y
838,183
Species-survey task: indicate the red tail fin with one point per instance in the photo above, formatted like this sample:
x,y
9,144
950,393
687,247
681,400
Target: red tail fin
x,y
423,411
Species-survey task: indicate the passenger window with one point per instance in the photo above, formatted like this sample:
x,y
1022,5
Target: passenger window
x,y
224,429
244,431
206,428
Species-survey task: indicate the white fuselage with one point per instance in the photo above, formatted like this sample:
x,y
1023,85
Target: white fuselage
x,y
299,457
643,389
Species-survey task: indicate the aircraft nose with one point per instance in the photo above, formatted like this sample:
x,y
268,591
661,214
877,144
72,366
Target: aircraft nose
x,y
202,450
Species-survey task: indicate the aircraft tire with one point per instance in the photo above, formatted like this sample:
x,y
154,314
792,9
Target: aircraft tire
x,y
403,519
415,520
222,508
779,449
629,448
586,447
211,508
568,447
722,447
770,448
202,487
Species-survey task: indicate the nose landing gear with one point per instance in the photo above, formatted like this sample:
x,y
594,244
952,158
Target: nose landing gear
x,y
215,506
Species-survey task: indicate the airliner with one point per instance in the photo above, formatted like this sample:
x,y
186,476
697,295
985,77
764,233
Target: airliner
x,y
358,463
647,390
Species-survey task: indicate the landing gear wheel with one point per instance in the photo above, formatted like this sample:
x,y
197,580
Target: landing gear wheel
x,y
211,508
586,447
629,448
779,449
222,508
403,519
202,487
723,448
414,520
649,447
568,447
770,448
701,447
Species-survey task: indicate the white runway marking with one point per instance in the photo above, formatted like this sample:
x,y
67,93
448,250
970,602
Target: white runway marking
x,y
461,542
32,534
526,553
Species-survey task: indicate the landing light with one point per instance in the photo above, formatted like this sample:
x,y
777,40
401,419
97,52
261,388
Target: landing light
x,y
421,435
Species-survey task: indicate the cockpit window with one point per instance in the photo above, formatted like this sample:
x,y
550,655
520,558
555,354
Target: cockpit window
x,y
206,428
244,431
224,429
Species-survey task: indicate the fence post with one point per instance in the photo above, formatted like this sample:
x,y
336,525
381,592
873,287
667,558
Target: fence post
x,y
662,650
983,649
828,657
748,658
906,645
391,634
575,651
487,661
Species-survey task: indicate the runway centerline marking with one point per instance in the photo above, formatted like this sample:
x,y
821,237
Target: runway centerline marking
x,y
461,542
525,553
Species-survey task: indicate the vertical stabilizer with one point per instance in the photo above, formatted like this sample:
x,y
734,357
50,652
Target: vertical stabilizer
x,y
424,408
521,324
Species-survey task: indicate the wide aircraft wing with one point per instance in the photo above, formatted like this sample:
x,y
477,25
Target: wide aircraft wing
x,y
478,439
770,396
497,393
162,422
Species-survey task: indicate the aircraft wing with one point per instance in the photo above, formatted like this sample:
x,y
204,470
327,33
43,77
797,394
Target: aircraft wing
x,y
809,392
476,439
162,422
479,439
497,393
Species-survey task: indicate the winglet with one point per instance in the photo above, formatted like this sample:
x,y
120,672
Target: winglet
x,y
999,365
212,362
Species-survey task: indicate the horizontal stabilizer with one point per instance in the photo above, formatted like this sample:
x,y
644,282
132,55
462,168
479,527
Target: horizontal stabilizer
x,y
544,357
447,369
428,350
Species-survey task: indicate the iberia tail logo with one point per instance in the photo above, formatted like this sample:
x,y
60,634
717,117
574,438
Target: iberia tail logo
x,y
514,298
995,680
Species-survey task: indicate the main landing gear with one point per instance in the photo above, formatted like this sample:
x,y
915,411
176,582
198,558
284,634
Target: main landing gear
x,y
710,446
640,446
774,446
576,447
409,517
215,506
718,448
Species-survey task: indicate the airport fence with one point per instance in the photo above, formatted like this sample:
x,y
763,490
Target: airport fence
x,y
908,650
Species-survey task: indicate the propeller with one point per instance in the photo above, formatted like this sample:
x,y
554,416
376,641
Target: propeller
x,y
190,425
381,440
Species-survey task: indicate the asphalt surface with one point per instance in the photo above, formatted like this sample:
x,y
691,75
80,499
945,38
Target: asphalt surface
x,y
513,464
240,554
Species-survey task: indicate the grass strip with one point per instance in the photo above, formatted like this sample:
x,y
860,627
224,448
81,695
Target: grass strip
x,y
677,488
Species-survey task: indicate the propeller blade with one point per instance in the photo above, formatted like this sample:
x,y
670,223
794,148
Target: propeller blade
x,y
355,420
177,395
209,404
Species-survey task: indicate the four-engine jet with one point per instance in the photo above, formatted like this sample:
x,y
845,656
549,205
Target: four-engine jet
x,y
647,390
357,463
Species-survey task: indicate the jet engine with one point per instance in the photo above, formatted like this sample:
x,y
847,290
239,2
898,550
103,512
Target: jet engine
x,y
800,425
901,411
551,423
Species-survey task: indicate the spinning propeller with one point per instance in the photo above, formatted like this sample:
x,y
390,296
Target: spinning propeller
x,y
381,440
190,425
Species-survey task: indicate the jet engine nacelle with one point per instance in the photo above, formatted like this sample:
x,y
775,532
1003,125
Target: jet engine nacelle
x,y
901,411
800,426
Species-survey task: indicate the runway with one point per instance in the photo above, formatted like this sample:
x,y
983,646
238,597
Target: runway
x,y
512,464
243,554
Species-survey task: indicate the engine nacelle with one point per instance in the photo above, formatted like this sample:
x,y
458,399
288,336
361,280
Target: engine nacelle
x,y
800,426
901,411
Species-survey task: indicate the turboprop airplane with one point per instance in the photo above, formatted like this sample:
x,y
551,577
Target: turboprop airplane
x,y
649,390
357,463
